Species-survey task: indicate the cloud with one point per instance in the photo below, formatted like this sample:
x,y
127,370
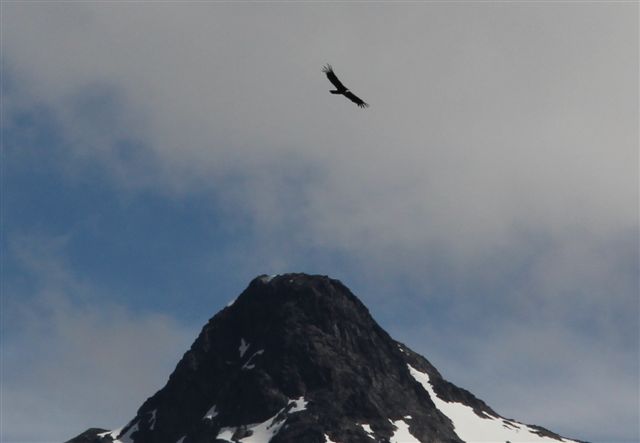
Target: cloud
x,y
466,153
71,358
495,172
547,375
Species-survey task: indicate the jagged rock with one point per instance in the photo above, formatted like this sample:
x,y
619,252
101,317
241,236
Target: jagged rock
x,y
299,359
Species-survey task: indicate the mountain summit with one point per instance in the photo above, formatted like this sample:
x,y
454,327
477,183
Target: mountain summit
x,y
298,358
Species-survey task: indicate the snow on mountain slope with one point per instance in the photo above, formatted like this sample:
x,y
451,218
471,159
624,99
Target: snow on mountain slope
x,y
470,427
265,431
299,359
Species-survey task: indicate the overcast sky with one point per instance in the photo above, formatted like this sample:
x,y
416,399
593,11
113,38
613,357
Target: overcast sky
x,y
158,156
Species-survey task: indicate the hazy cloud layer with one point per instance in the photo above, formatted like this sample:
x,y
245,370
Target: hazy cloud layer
x,y
71,357
495,173
475,130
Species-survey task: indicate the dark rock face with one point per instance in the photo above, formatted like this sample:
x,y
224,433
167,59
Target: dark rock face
x,y
295,359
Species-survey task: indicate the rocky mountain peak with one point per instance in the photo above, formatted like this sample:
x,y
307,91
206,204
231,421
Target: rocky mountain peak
x,y
298,358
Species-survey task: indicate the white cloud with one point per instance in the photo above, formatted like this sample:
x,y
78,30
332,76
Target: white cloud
x,y
498,135
73,360
471,136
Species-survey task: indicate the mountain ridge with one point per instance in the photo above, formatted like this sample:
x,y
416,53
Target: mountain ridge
x,y
299,358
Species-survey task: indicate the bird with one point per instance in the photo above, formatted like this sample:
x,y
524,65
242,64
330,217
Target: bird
x,y
342,89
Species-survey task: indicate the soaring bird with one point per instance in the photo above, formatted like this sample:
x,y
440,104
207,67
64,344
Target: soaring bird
x,y
342,89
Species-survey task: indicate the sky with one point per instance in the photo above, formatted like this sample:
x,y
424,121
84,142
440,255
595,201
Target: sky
x,y
158,156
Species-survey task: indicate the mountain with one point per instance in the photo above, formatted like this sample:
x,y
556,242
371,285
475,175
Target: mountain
x,y
298,358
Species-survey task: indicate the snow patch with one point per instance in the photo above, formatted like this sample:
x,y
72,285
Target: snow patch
x,y
248,364
243,347
126,438
299,404
211,413
265,431
368,430
226,434
471,427
267,278
328,440
402,434
113,434
260,432
152,420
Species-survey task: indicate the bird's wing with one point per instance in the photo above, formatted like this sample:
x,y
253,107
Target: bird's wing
x,y
357,100
332,77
